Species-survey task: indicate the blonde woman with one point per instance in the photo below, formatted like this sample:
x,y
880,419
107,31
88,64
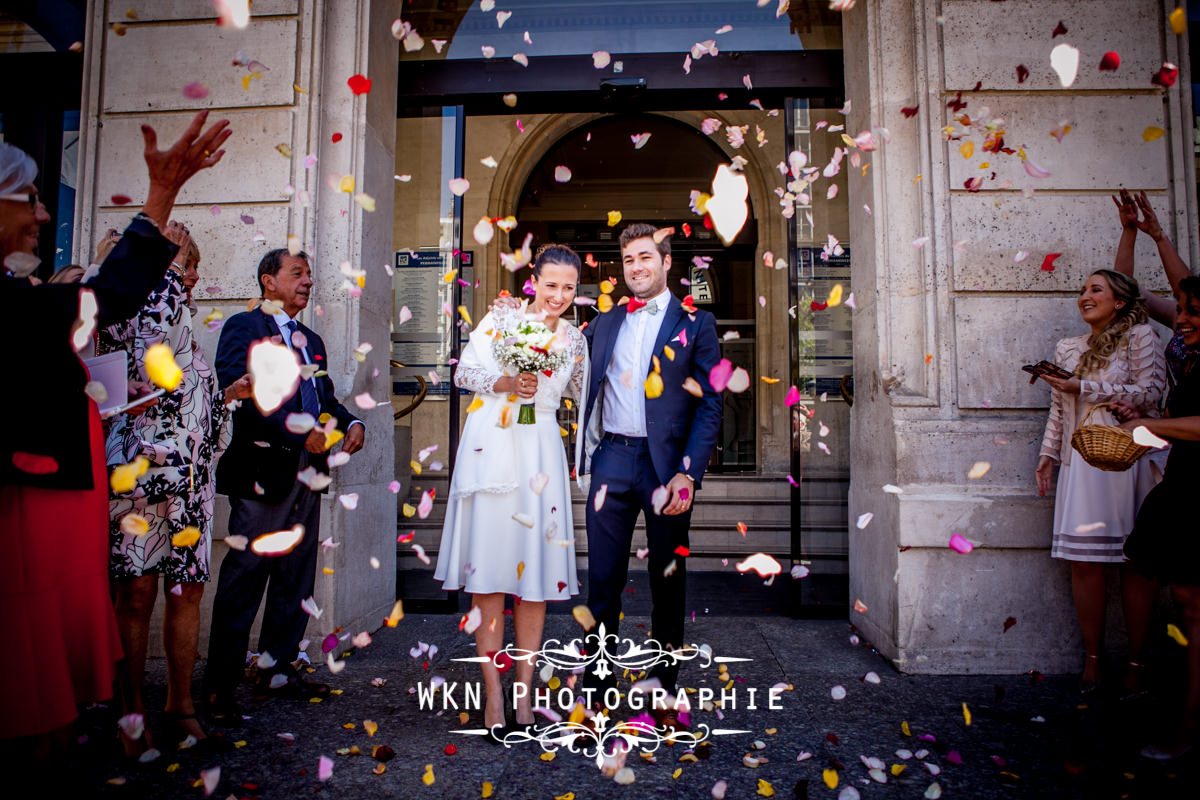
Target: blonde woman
x,y
1121,359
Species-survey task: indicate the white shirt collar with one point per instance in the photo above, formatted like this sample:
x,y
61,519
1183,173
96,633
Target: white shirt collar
x,y
661,300
281,319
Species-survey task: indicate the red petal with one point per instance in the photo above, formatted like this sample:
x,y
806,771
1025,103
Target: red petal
x,y
956,104
35,464
124,200
687,230
562,585
819,306
682,551
1048,262
1059,30
1110,62
337,137
359,84
1165,77
910,111
451,749
634,304
1022,73
1008,623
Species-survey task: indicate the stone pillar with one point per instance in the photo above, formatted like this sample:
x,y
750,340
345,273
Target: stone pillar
x,y
140,56
940,331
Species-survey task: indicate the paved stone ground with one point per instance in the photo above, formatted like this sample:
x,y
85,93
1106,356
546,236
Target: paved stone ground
x,y
1028,737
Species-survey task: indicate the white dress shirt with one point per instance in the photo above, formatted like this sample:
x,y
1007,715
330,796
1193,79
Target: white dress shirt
x,y
625,406
281,321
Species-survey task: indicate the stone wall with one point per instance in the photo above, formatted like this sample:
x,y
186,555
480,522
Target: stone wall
x,y
941,331
140,56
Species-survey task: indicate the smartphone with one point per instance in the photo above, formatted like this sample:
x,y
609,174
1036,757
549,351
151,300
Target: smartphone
x,y
1044,368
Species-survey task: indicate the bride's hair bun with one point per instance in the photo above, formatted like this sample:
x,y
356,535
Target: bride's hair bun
x,y
556,254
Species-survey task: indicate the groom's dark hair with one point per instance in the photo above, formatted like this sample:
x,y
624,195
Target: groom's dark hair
x,y
643,230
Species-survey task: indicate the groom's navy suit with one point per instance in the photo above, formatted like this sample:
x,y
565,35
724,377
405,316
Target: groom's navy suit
x,y
681,432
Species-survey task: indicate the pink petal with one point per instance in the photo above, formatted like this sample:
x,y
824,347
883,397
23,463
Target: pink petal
x,y
793,397
325,768
960,545
720,374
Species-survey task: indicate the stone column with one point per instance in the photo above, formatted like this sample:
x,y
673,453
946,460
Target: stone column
x,y
141,54
942,330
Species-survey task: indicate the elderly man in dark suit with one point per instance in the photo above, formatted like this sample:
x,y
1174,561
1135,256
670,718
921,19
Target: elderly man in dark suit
x,y
646,435
259,473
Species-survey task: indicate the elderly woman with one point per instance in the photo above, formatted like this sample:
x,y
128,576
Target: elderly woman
x,y
163,527
61,639
1119,360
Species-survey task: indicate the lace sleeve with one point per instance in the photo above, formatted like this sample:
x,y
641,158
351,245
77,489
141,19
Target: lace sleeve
x,y
1148,375
475,371
579,354
1052,439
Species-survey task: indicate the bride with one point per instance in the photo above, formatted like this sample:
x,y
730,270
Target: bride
x,y
508,526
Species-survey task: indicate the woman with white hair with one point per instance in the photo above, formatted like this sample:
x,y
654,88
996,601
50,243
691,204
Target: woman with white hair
x,y
60,634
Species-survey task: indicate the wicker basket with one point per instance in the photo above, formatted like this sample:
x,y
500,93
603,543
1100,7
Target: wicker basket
x,y
1106,447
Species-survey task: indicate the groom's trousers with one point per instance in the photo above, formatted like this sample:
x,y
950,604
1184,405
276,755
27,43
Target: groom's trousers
x,y
622,464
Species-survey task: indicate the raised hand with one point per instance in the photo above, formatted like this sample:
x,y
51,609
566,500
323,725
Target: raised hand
x,y
1127,209
170,169
1149,222
178,234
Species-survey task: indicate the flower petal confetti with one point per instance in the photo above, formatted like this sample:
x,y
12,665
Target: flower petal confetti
x,y
161,368
960,545
1064,59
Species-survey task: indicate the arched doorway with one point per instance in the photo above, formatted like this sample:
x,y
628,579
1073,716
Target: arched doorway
x,y
651,183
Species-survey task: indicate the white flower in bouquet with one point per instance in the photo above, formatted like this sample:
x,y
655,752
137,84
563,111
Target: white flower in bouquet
x,y
531,347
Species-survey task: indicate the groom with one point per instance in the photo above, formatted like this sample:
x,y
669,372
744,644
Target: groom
x,y
646,437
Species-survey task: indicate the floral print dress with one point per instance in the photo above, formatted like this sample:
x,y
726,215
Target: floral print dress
x,y
182,437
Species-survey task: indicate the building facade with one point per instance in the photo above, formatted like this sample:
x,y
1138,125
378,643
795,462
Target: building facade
x,y
879,271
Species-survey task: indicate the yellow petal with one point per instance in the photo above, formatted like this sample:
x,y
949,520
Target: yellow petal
x,y
349,726
327,570
409,511
1178,20
186,537
904,729
487,790
284,150
654,386
546,756
450,276
831,778
333,437
520,569
370,726
567,402
379,769
415,466
567,796
769,380
554,683
365,200
505,416
583,615
835,296
767,790
428,776
476,404
346,184
606,287
966,149
161,367
614,218
1177,635
1153,132
397,614
966,714
604,303
897,769
466,315
668,352
296,86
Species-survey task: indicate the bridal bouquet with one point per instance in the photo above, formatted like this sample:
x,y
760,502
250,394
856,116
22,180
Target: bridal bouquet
x,y
530,347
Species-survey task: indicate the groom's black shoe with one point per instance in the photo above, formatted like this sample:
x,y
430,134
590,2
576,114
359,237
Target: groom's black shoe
x,y
599,687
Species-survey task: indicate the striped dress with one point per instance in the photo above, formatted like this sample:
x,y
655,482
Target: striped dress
x,y
1095,510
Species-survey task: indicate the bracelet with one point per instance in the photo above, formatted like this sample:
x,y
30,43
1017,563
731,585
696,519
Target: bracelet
x,y
179,267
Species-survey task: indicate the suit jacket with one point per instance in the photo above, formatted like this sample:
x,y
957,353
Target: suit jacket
x,y
45,403
262,450
679,426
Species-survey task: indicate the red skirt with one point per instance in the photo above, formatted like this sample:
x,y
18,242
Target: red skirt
x,y
60,633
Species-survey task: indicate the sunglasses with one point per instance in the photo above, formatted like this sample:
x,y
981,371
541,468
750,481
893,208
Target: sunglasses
x,y
23,197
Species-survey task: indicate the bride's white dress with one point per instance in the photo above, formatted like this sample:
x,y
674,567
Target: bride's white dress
x,y
488,544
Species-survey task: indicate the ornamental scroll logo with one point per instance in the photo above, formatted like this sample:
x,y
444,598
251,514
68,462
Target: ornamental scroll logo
x,y
603,654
